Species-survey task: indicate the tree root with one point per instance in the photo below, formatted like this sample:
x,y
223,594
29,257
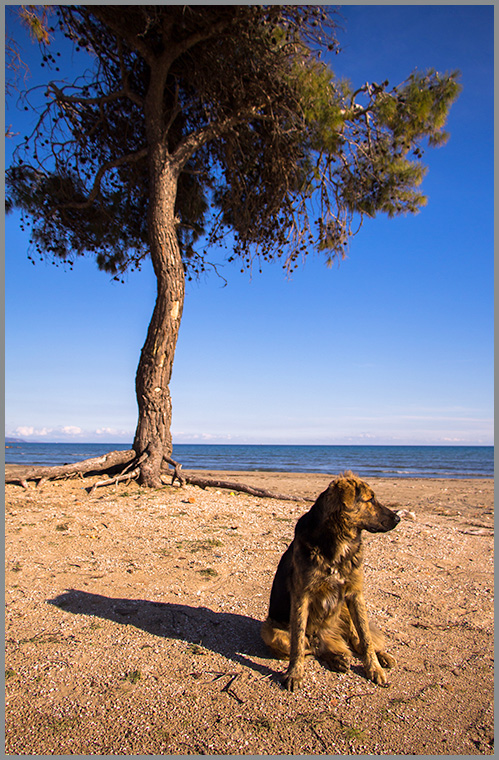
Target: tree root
x,y
124,475
124,466
225,484
106,463
112,481
177,474
242,487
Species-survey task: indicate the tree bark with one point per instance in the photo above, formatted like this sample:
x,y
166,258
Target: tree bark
x,y
153,434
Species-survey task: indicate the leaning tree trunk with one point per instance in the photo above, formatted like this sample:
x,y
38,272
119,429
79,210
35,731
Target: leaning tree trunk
x,y
153,434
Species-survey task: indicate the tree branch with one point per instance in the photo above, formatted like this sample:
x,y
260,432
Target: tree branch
x,y
77,99
201,36
191,143
124,78
130,158
107,15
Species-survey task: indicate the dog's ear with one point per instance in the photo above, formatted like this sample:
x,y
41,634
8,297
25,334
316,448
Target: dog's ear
x,y
345,488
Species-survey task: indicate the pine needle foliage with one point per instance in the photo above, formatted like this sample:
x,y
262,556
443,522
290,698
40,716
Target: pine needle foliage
x,y
268,144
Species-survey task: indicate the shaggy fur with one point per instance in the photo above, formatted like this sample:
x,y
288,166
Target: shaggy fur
x,y
317,604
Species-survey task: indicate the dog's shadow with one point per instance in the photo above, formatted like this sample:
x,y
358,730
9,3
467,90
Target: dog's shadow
x,y
236,637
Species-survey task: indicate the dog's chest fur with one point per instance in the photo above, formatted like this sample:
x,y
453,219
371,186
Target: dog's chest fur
x,y
330,578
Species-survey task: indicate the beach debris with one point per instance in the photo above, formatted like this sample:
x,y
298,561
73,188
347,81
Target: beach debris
x,y
406,514
229,690
486,531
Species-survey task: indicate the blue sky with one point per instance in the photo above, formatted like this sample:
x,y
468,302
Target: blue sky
x,y
392,346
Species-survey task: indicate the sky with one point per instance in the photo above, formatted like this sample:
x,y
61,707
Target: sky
x,y
394,345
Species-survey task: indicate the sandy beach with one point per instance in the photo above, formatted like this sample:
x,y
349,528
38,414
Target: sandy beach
x,y
133,616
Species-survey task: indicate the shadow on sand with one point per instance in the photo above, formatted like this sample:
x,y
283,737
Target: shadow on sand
x,y
236,637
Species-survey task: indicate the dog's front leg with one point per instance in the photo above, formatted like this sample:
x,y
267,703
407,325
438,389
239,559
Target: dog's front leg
x,y
358,613
298,623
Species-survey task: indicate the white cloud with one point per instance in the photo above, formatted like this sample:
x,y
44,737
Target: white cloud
x,y
49,434
71,430
110,431
208,438
24,430
28,431
113,434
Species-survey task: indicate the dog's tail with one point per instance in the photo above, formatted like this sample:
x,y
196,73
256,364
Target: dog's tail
x,y
276,637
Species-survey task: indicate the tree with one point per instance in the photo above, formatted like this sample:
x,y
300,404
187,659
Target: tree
x,y
197,121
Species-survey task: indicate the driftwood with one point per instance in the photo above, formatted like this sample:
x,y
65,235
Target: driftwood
x,y
125,467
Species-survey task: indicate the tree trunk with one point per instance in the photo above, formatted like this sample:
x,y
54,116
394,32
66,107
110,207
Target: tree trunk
x,y
153,434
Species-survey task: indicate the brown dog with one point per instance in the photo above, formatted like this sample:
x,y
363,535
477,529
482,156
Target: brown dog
x,y
317,604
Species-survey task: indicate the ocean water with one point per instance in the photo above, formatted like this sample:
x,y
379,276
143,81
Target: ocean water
x,y
366,461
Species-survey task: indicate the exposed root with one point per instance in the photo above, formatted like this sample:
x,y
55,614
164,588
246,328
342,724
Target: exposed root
x,y
124,466
177,475
106,463
242,487
112,481
124,475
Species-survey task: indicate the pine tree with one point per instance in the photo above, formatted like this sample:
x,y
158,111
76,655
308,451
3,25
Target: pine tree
x,y
197,121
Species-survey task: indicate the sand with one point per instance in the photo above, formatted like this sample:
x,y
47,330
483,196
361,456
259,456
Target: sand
x,y
132,623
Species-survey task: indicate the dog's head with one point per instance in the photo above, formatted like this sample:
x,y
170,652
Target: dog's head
x,y
353,503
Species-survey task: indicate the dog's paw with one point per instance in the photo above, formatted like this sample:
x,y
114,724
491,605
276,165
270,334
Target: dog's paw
x,y
386,660
293,679
375,673
337,662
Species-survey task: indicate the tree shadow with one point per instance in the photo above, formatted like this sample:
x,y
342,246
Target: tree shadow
x,y
236,637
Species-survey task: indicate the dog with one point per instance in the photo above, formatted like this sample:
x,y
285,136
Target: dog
x,y
317,604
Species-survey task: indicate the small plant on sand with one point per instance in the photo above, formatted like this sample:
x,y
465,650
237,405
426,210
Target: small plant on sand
x,y
264,723
133,676
354,733
61,724
196,649
208,572
199,544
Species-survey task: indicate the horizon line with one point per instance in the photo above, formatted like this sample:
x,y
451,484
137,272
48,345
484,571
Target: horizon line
x,y
121,444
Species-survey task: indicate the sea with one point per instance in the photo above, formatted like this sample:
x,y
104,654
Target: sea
x,y
366,461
